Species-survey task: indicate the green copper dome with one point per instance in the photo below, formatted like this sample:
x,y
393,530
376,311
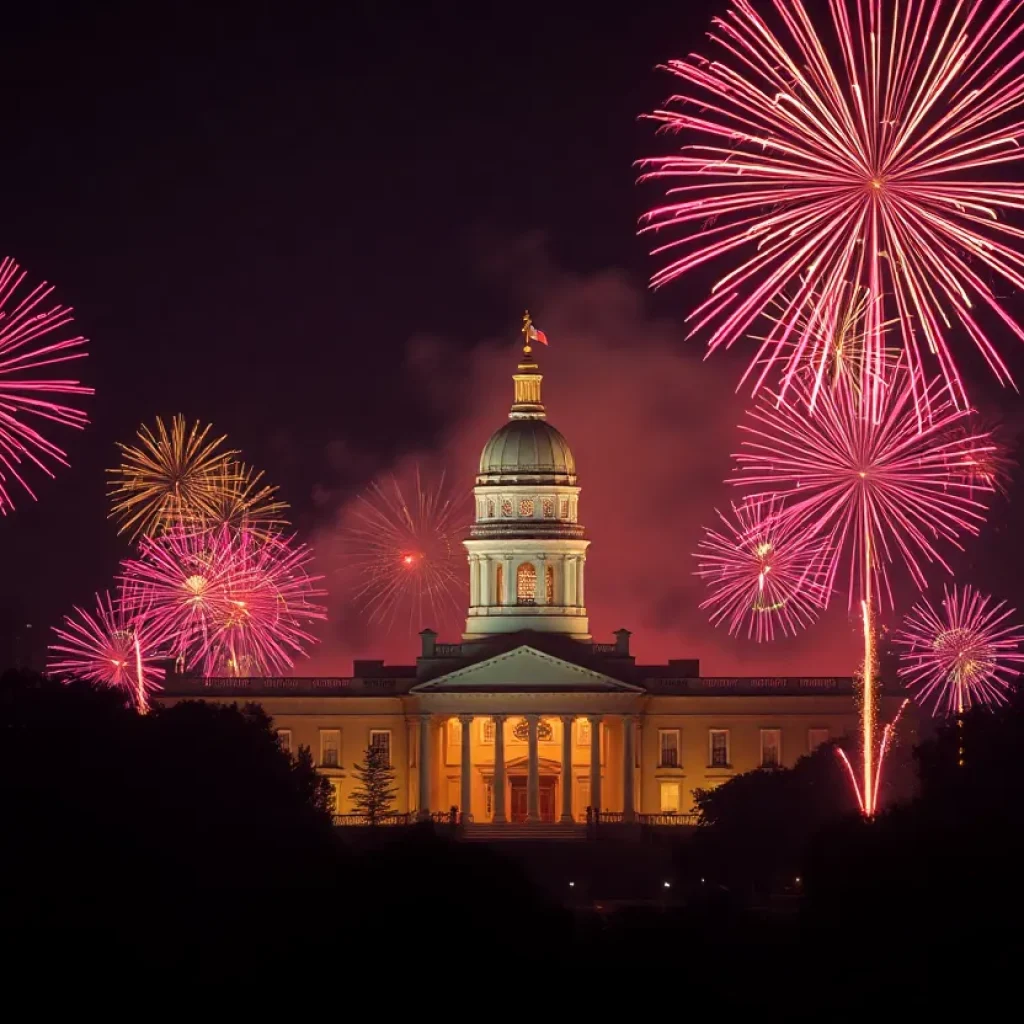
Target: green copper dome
x,y
526,451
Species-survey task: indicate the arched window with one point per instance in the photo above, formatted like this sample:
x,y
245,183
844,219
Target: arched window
x,y
549,584
526,584
499,580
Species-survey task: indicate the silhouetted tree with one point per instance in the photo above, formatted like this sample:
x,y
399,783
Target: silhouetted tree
x,y
376,792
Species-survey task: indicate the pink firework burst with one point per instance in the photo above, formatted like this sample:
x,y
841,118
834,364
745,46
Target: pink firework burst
x,y
115,646
28,326
228,601
872,481
259,628
961,653
761,571
881,157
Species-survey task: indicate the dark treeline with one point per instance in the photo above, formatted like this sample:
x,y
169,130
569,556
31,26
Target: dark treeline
x,y
187,840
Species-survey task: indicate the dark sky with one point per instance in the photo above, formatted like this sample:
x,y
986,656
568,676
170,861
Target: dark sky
x,y
309,224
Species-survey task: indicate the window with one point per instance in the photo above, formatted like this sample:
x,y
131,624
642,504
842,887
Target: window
x,y
771,748
548,508
549,584
284,740
526,584
670,798
490,508
583,732
563,509
526,508
380,739
718,741
506,507
499,584
335,796
815,738
330,748
487,731
668,742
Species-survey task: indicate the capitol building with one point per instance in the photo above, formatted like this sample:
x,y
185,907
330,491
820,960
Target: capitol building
x,y
527,721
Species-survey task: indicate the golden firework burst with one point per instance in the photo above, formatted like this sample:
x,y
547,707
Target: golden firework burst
x,y
244,502
172,477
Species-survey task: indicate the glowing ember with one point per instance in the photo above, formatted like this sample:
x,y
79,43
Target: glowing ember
x,y
872,155
27,323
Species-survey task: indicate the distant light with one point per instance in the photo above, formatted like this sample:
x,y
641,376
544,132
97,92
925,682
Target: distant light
x,y
668,885
702,881
797,879
572,885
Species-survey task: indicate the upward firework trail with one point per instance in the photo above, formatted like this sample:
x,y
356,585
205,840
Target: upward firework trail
x,y
28,349
405,547
881,154
875,486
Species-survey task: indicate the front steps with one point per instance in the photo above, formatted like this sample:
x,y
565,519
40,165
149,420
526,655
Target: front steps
x,y
523,831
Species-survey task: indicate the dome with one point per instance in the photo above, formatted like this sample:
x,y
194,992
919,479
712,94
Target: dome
x,y
525,449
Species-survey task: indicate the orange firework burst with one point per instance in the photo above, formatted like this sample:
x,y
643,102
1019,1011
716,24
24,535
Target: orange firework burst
x,y
173,477
408,555
242,501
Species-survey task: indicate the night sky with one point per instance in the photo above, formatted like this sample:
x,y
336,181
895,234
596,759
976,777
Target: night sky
x,y
317,226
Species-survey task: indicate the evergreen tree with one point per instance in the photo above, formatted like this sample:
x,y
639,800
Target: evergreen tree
x,y
376,790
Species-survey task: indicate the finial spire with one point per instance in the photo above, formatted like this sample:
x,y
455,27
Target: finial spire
x,y
527,330
527,404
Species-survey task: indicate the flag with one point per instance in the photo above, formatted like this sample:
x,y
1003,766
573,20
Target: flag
x,y
536,335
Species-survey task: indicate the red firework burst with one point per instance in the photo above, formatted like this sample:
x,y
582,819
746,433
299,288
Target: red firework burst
x,y
229,602
27,324
879,169
962,653
115,646
407,552
761,572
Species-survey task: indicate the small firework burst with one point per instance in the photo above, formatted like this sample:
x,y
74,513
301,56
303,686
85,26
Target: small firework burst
x,y
405,547
27,347
962,653
242,501
172,478
761,572
115,646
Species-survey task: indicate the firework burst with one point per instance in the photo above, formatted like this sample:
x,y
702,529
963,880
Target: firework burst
x,y
762,572
239,499
114,646
873,158
407,554
172,478
962,653
27,326
229,602
872,481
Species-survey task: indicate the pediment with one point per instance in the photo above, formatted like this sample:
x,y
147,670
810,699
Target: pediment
x,y
524,669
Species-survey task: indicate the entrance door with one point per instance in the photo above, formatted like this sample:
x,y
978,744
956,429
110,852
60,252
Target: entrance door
x,y
519,801
547,798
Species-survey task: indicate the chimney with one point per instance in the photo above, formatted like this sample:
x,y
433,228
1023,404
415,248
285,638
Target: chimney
x,y
622,641
427,638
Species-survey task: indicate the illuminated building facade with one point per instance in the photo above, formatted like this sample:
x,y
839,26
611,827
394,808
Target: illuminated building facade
x,y
527,720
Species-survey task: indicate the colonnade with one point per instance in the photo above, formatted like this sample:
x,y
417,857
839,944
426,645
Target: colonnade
x,y
500,815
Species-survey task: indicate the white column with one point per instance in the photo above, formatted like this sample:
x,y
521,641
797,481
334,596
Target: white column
x,y
510,582
570,581
567,721
474,580
499,770
580,563
628,764
424,802
466,772
484,595
540,593
595,761
533,772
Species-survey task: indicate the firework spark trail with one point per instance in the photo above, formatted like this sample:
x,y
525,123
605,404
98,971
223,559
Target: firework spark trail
x,y
880,169
26,349
874,484
761,572
239,499
869,803
961,653
228,601
173,478
114,646
407,553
